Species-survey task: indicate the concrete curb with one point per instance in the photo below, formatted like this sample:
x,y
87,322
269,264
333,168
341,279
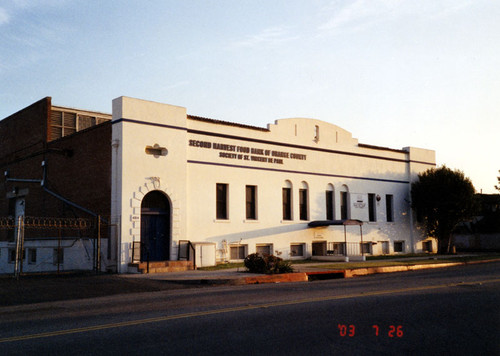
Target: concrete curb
x,y
318,275
349,273
267,278
277,278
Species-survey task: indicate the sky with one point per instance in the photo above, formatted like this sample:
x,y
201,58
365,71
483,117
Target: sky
x,y
394,73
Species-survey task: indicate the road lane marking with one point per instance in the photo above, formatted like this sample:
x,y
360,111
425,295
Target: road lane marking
x,y
232,309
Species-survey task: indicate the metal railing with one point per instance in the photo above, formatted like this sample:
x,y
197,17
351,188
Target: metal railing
x,y
187,252
339,249
140,253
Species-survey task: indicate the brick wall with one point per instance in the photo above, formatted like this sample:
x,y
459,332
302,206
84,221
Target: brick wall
x,y
78,167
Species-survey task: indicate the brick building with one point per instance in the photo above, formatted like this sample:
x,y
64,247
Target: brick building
x,y
56,163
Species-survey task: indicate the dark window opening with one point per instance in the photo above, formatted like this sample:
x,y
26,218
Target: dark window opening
x,y
389,207
329,205
399,246
287,204
343,205
222,212
303,204
251,199
371,208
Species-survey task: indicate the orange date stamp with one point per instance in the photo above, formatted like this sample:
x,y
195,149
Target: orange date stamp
x,y
393,331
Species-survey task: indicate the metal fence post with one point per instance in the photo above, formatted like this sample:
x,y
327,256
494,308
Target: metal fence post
x,y
98,256
19,247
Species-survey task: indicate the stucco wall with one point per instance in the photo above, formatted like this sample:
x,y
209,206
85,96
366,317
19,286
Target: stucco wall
x,y
302,152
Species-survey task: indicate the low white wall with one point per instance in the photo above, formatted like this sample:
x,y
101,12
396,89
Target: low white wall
x,y
40,255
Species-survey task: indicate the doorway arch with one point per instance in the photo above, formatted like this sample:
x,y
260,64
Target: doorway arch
x,y
155,227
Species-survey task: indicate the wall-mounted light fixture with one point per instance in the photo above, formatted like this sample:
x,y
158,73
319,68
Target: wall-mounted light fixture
x,y
156,150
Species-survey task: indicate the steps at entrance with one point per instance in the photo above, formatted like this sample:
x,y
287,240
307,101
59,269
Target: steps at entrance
x,y
162,266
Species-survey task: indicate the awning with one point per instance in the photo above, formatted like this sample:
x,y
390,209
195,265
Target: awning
x,y
322,223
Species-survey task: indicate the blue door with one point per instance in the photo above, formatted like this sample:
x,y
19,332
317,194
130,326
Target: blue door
x,y
155,227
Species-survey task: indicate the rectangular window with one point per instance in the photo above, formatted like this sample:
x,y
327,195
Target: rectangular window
x,y
32,256
427,246
389,207
12,255
222,201
399,246
296,250
385,247
343,205
372,214
303,204
264,249
329,205
366,248
238,252
287,204
251,200
319,248
335,248
58,256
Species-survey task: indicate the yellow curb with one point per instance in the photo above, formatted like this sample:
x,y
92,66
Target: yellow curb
x,y
348,273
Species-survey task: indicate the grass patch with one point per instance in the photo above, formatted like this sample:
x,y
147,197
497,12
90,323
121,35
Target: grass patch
x,y
372,261
391,257
228,265
223,266
307,260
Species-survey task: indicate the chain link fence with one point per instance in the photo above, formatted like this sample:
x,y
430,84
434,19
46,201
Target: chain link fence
x,y
51,244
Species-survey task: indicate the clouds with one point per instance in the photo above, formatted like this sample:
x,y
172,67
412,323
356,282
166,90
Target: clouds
x,y
27,36
4,16
268,36
362,14
357,14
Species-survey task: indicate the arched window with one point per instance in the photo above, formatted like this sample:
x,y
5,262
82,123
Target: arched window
x,y
330,202
303,201
344,202
287,200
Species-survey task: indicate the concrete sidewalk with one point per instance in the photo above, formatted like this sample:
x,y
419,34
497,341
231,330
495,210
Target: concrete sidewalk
x,y
302,272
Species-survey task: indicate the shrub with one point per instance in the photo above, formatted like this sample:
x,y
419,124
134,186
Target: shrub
x,y
257,263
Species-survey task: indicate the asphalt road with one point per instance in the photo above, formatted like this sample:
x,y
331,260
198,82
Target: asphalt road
x,y
453,311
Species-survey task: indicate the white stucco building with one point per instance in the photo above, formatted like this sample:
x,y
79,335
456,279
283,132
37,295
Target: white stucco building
x,y
233,189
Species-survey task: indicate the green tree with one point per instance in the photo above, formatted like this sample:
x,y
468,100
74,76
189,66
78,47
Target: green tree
x,y
442,199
